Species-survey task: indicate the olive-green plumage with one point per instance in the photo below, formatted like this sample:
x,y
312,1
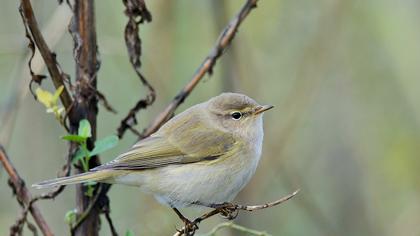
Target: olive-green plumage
x,y
203,156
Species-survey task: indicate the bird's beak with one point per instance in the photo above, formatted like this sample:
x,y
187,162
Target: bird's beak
x,y
261,109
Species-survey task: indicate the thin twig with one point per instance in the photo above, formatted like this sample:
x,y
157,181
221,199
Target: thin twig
x,y
36,38
23,195
206,66
32,228
109,220
236,207
100,200
88,210
106,209
267,205
101,97
17,227
229,68
137,13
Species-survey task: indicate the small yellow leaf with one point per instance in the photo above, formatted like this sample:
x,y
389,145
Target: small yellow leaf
x,y
57,94
60,110
44,97
50,101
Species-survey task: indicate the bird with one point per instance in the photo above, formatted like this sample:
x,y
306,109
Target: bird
x,y
204,156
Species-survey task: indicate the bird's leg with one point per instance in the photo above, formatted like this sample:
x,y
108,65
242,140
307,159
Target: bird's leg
x,y
207,215
189,227
228,210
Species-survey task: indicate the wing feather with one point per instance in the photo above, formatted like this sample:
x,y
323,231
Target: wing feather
x,y
190,144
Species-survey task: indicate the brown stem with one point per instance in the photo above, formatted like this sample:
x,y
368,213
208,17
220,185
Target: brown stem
x,y
110,223
206,66
22,193
228,69
57,76
83,31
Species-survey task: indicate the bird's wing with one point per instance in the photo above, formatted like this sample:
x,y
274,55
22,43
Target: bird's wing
x,y
182,148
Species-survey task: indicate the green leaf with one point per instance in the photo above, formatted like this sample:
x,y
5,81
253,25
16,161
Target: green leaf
x,y
91,183
80,154
90,188
89,191
84,129
104,144
70,217
74,138
129,232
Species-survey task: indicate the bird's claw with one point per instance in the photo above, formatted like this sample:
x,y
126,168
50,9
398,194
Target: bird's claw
x,y
189,228
228,211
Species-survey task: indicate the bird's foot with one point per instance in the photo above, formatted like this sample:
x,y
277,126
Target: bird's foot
x,y
227,210
189,227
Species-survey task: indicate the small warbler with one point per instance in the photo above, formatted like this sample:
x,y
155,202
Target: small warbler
x,y
203,156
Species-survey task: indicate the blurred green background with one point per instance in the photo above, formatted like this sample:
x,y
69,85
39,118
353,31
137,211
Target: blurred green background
x,y
343,75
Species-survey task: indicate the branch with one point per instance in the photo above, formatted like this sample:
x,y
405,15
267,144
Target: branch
x,y
86,95
267,205
230,211
85,52
82,216
23,195
35,37
108,218
206,67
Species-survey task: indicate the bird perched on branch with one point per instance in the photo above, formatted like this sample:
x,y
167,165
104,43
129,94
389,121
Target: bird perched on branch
x,y
202,157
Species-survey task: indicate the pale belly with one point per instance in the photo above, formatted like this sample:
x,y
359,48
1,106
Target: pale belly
x,y
197,183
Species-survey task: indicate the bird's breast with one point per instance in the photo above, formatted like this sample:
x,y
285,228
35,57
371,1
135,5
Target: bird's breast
x,y
205,183
201,183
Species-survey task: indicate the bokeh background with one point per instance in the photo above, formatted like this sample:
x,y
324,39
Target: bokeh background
x,y
343,75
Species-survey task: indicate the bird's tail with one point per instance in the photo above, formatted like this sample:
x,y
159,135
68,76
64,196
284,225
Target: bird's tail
x,y
75,179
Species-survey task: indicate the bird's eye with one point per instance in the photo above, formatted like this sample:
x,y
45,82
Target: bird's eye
x,y
236,115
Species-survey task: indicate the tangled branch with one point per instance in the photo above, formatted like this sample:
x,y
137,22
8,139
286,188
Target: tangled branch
x,y
87,96
33,33
137,13
86,92
24,198
206,67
